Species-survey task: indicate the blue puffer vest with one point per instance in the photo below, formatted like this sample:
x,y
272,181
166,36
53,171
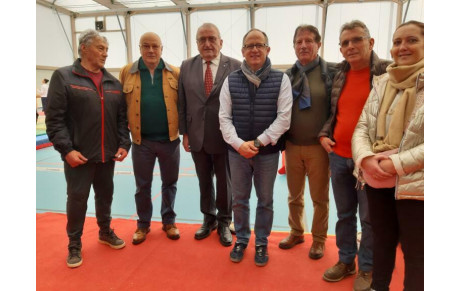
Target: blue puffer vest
x,y
251,116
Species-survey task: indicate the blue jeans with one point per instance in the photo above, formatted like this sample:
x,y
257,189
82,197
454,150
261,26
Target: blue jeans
x,y
263,168
347,199
144,157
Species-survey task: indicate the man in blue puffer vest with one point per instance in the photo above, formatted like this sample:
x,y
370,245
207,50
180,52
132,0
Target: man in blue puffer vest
x,y
255,111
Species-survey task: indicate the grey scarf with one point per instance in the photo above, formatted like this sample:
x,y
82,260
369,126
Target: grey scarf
x,y
301,88
260,75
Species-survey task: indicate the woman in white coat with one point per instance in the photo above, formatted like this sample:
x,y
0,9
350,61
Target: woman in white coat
x,y
388,149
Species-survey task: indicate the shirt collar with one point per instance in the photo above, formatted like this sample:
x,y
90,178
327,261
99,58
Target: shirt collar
x,y
142,65
213,61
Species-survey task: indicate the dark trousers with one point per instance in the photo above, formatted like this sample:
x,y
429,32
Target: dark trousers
x,y
206,166
396,221
79,181
144,157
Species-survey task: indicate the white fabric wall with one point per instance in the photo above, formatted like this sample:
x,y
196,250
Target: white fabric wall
x,y
279,23
117,48
416,10
379,17
232,24
52,47
169,27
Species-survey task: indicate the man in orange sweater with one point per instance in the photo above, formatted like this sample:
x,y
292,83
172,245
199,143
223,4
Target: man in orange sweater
x,y
350,90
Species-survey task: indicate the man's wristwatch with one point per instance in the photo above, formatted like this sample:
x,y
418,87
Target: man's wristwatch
x,y
257,143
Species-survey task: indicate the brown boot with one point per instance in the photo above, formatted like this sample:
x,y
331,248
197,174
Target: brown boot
x,y
171,231
316,250
339,271
363,281
140,235
290,241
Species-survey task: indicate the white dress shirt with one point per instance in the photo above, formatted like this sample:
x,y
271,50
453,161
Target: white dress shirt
x,y
214,66
270,135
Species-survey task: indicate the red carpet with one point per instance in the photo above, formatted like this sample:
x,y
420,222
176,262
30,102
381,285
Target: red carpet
x,y
185,264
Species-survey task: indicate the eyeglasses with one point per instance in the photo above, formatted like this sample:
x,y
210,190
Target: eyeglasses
x,y
211,39
147,47
258,46
354,41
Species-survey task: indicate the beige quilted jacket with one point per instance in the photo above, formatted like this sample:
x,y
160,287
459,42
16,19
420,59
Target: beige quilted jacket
x,y
409,161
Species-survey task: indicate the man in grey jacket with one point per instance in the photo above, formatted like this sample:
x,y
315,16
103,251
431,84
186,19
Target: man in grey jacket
x,y
350,90
200,81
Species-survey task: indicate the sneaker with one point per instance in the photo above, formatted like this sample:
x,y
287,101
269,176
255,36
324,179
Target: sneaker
x,y
140,235
111,239
363,281
171,231
236,255
339,271
74,258
261,257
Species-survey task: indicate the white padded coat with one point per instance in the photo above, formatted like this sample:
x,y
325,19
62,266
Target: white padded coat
x,y
409,161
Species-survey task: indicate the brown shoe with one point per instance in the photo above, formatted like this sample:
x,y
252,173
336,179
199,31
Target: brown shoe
x,y
316,250
339,271
363,281
171,231
232,228
140,235
290,241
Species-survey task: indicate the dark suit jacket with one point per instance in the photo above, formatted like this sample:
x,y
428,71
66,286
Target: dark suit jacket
x,y
198,114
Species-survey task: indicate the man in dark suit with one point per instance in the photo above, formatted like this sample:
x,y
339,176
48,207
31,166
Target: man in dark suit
x,y
200,82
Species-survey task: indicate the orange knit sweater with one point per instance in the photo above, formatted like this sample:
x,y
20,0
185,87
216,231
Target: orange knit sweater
x,y
351,102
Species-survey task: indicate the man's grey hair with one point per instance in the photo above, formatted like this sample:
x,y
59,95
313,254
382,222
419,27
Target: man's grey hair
x,y
208,25
354,24
87,37
255,29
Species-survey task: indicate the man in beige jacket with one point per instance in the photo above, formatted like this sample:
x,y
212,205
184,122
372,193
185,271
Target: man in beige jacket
x,y
150,87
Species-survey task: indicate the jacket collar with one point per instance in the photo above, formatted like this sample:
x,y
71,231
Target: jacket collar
x,y
135,67
78,69
345,66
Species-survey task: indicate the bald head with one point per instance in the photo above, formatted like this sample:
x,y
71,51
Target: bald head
x,y
151,49
149,36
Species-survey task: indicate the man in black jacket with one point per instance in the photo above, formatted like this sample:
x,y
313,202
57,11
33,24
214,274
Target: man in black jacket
x,y
86,122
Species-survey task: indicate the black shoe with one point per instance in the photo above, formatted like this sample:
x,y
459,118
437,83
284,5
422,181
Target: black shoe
x,y
205,230
111,239
236,255
225,235
261,257
74,258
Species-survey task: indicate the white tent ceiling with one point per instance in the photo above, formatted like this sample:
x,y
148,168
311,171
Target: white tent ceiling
x,y
111,7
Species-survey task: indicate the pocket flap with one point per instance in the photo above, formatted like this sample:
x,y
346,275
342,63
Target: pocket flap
x,y
173,83
128,88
